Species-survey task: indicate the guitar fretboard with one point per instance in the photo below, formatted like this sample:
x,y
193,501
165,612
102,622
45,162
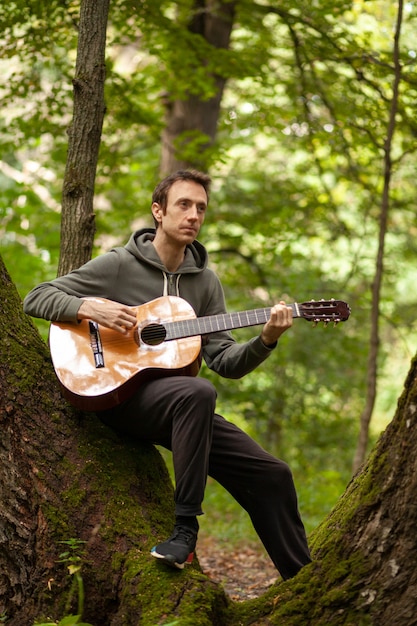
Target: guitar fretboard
x,y
216,323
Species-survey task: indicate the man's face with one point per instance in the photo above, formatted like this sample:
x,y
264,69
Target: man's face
x,y
185,212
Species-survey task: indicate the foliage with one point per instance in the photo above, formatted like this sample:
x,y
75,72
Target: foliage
x,y
296,195
73,558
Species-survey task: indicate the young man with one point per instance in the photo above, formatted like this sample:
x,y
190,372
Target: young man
x,y
178,412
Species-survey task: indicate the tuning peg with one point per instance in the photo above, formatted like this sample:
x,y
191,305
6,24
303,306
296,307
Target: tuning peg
x,y
325,323
335,323
315,323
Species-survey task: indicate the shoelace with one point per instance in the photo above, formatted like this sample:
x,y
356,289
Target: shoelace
x,y
184,534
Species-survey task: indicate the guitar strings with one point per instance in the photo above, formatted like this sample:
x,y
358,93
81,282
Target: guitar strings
x,y
178,329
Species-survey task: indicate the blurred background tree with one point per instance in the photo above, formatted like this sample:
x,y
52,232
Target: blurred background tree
x,y
299,99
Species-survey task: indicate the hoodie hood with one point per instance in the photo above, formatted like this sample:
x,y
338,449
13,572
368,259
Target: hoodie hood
x,y
140,245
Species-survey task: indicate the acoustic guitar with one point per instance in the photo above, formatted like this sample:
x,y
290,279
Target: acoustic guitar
x,y
99,368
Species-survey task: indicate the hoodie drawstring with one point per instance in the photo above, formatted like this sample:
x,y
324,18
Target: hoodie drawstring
x,y
169,281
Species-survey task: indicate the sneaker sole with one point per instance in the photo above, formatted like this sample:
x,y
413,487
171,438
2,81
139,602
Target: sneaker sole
x,y
169,559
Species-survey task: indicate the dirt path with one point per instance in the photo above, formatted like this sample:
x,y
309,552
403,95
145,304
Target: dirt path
x,y
244,574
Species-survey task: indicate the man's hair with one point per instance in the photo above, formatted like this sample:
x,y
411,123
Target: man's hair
x,y
160,194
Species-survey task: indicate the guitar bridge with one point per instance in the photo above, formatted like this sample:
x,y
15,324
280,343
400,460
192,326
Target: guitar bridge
x,y
96,345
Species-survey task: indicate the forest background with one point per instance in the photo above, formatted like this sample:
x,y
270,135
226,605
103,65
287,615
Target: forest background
x,y
314,175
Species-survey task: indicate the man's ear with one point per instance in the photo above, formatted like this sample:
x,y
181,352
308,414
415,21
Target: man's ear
x,y
157,211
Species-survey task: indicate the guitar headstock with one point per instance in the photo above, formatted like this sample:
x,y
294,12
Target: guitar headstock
x,y
325,311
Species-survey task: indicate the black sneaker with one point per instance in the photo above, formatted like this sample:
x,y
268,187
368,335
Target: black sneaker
x,y
179,548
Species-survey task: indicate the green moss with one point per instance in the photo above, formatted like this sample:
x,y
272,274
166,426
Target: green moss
x,y
322,593
57,520
161,595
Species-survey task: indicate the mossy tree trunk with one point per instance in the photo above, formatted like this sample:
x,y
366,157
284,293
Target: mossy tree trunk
x,y
365,553
65,477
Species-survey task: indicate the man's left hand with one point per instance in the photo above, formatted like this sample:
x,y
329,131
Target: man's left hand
x,y
280,320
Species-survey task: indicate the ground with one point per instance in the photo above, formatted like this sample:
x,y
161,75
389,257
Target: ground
x,y
245,573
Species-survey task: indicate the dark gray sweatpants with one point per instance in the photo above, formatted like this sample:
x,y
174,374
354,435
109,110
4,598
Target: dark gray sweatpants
x,y
178,412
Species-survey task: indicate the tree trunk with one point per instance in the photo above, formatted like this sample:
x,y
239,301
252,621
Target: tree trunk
x,y
77,220
372,369
192,121
66,477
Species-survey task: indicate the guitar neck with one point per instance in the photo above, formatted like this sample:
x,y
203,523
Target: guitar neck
x,y
224,321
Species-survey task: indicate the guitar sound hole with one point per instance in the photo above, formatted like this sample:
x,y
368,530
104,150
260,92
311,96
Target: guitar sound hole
x,y
153,334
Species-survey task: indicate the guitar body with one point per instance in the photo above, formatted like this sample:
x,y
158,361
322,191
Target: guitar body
x,y
127,361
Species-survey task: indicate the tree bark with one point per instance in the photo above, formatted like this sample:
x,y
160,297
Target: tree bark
x,y
194,119
78,220
64,477
372,369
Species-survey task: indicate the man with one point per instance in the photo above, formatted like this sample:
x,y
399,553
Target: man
x,y
178,412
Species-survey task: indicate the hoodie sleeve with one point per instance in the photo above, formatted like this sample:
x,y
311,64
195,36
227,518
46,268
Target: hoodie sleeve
x,y
223,354
60,299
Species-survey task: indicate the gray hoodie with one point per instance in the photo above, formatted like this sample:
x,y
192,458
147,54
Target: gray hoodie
x,y
134,275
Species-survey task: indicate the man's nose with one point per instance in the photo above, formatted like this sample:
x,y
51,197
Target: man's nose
x,y
193,213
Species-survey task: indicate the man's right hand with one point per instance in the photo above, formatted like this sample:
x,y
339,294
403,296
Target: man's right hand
x,y
108,313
